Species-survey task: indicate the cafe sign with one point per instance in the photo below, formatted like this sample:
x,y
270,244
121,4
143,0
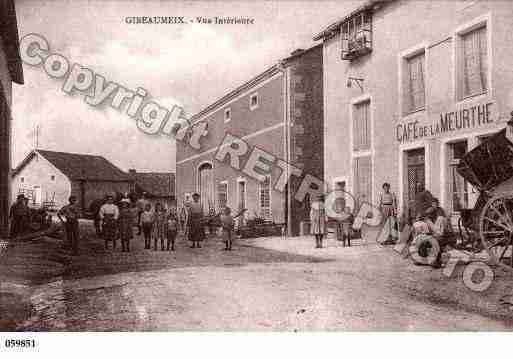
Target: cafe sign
x,y
465,118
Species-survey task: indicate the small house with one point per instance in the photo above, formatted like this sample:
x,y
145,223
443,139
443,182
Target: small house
x,y
49,178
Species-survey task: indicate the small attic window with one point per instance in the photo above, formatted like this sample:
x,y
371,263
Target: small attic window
x,y
253,101
22,179
227,115
52,177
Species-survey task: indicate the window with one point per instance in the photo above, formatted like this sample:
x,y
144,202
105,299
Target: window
x,y
361,126
22,179
356,36
414,99
473,63
459,188
227,115
265,198
253,101
363,178
222,194
52,177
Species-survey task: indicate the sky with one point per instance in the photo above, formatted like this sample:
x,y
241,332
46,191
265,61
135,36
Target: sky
x,y
190,65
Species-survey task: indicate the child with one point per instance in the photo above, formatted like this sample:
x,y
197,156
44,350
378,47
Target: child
x,y
318,220
227,224
171,228
147,219
347,224
125,223
158,226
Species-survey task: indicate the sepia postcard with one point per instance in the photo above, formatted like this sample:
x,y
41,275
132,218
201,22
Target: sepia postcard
x,y
255,166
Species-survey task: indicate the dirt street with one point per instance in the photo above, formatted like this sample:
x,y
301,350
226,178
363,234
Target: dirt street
x,y
263,284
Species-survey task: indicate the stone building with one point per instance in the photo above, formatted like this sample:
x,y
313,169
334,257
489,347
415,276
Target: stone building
x,y
279,111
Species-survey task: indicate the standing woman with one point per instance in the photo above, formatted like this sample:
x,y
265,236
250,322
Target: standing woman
x,y
109,214
195,222
125,224
388,207
318,220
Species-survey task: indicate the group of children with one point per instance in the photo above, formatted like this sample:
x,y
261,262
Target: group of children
x,y
319,220
161,225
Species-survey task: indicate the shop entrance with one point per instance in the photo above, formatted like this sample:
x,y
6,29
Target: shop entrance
x,y
416,172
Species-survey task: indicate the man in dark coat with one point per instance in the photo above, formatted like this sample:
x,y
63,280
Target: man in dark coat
x,y
19,215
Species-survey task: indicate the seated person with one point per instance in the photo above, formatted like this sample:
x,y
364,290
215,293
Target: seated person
x,y
434,222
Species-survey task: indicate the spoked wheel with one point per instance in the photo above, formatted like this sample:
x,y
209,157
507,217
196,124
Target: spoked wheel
x,y
496,230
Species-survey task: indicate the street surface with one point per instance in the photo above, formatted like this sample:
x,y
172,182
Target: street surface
x,y
263,284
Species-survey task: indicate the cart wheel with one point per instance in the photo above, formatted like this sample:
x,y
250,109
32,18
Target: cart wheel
x,y
496,230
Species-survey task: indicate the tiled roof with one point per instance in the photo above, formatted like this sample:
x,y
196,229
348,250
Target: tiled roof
x,y
80,167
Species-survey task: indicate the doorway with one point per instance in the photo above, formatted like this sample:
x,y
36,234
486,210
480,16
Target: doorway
x,y
416,173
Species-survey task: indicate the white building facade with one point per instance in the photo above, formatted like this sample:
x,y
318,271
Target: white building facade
x,y
410,87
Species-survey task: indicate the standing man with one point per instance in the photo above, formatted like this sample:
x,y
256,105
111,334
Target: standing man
x,y
71,213
195,222
19,214
141,205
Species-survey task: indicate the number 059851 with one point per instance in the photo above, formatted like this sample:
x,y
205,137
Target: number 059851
x,y
20,343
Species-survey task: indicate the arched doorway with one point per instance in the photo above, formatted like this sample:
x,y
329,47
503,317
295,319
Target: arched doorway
x,y
206,186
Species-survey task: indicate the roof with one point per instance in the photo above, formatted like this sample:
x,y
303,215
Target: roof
x,y
269,72
232,94
79,166
10,40
334,28
156,184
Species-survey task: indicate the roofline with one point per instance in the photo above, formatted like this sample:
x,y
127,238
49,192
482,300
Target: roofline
x,y
36,151
269,72
266,74
334,27
23,163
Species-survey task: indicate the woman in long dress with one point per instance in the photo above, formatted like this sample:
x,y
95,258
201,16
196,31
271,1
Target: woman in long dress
x,y
109,214
318,220
195,222
388,207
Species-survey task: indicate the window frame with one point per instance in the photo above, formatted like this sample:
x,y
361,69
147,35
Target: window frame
x,y
251,106
223,183
403,83
450,163
227,115
365,100
462,30
260,207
